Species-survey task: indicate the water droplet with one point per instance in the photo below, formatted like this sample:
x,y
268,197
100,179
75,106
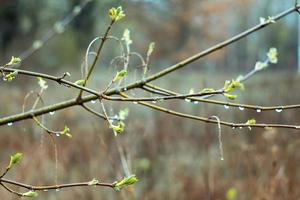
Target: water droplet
x,y
9,124
135,102
57,135
222,158
240,127
52,113
125,89
233,127
241,108
93,101
226,106
187,100
45,190
279,110
196,102
154,102
258,110
57,190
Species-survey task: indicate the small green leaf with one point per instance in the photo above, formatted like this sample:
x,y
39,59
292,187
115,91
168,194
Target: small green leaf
x,y
230,96
11,76
150,49
80,82
120,75
231,85
15,159
93,182
42,83
30,194
14,61
130,180
251,122
119,128
66,132
116,14
272,55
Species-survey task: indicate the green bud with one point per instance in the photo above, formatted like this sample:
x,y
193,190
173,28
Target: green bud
x,y
42,83
230,96
272,55
14,61
30,194
116,14
11,76
231,85
120,75
150,48
130,180
119,128
80,82
15,159
66,132
93,182
271,19
251,122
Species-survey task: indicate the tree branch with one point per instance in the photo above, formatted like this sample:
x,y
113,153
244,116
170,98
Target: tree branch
x,y
209,120
53,187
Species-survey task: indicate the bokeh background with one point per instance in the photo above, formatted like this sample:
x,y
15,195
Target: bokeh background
x,y
173,158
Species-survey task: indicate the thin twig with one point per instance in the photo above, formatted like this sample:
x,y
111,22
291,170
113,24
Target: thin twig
x,y
93,111
104,38
53,187
226,104
11,190
208,120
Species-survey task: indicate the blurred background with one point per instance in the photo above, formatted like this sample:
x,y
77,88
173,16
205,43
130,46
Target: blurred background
x,y
173,158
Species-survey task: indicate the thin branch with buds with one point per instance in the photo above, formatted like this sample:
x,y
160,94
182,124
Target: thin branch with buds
x,y
115,91
137,84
